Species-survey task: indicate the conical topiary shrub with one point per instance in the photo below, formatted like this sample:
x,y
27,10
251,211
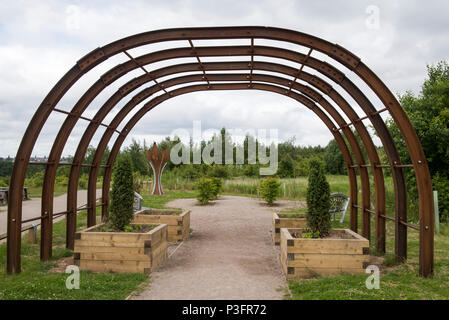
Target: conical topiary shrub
x,y
122,194
318,201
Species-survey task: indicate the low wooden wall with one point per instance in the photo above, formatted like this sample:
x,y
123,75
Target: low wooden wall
x,y
123,252
303,257
279,221
178,225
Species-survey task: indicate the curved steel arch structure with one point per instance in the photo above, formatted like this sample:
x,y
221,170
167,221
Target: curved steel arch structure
x,y
313,95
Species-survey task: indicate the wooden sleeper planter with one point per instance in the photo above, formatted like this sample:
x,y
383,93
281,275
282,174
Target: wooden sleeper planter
x,y
178,221
284,220
122,252
344,252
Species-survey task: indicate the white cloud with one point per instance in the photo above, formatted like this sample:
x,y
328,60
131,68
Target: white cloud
x,y
41,40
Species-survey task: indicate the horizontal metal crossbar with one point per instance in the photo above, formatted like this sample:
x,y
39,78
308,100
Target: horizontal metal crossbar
x,y
44,163
381,166
387,217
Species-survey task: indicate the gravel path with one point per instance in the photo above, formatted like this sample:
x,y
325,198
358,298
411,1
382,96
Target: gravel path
x,y
229,255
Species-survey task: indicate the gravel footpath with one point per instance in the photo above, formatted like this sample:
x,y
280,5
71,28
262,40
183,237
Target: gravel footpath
x,y
229,255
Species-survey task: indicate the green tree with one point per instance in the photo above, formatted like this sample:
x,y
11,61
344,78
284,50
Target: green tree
x,y
218,171
89,158
333,157
5,167
138,158
318,200
429,115
286,167
122,194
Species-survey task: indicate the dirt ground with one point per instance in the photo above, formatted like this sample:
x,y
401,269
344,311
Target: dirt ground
x,y
229,255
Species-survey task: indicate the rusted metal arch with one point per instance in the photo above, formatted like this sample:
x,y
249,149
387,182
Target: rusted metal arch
x,y
230,86
336,52
227,66
223,77
78,157
330,72
120,70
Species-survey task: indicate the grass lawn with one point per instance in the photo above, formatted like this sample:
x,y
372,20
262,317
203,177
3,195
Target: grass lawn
x,y
36,282
36,192
396,281
159,202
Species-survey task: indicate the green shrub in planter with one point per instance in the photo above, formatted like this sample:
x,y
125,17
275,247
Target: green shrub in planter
x,y
318,201
122,195
269,189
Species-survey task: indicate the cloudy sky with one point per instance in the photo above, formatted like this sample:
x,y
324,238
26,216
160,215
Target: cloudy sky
x,y
41,40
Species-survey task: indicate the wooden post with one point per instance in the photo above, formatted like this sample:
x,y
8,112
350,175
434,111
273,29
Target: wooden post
x,y
32,234
436,211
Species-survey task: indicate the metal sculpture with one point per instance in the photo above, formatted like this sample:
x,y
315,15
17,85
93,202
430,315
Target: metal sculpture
x,y
311,90
158,159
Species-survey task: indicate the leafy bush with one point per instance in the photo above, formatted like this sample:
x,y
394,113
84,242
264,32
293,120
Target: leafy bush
x,y
302,168
218,171
62,181
217,187
191,172
205,189
441,184
36,180
83,181
251,170
335,164
4,181
122,195
269,189
318,201
286,167
138,182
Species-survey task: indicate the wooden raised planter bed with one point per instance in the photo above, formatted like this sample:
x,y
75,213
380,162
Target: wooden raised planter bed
x,y
123,252
344,252
286,220
178,221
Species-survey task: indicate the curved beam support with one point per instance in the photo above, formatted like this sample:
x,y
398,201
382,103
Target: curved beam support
x,y
334,51
234,77
232,86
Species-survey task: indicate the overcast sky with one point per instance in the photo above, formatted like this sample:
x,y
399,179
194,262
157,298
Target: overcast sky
x,y
41,40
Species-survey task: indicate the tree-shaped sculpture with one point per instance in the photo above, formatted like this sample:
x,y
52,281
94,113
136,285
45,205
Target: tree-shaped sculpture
x,y
158,159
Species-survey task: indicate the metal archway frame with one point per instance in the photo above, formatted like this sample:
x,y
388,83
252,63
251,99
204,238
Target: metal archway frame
x,y
289,87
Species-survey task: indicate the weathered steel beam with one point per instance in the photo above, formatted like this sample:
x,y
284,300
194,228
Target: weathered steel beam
x,y
334,51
